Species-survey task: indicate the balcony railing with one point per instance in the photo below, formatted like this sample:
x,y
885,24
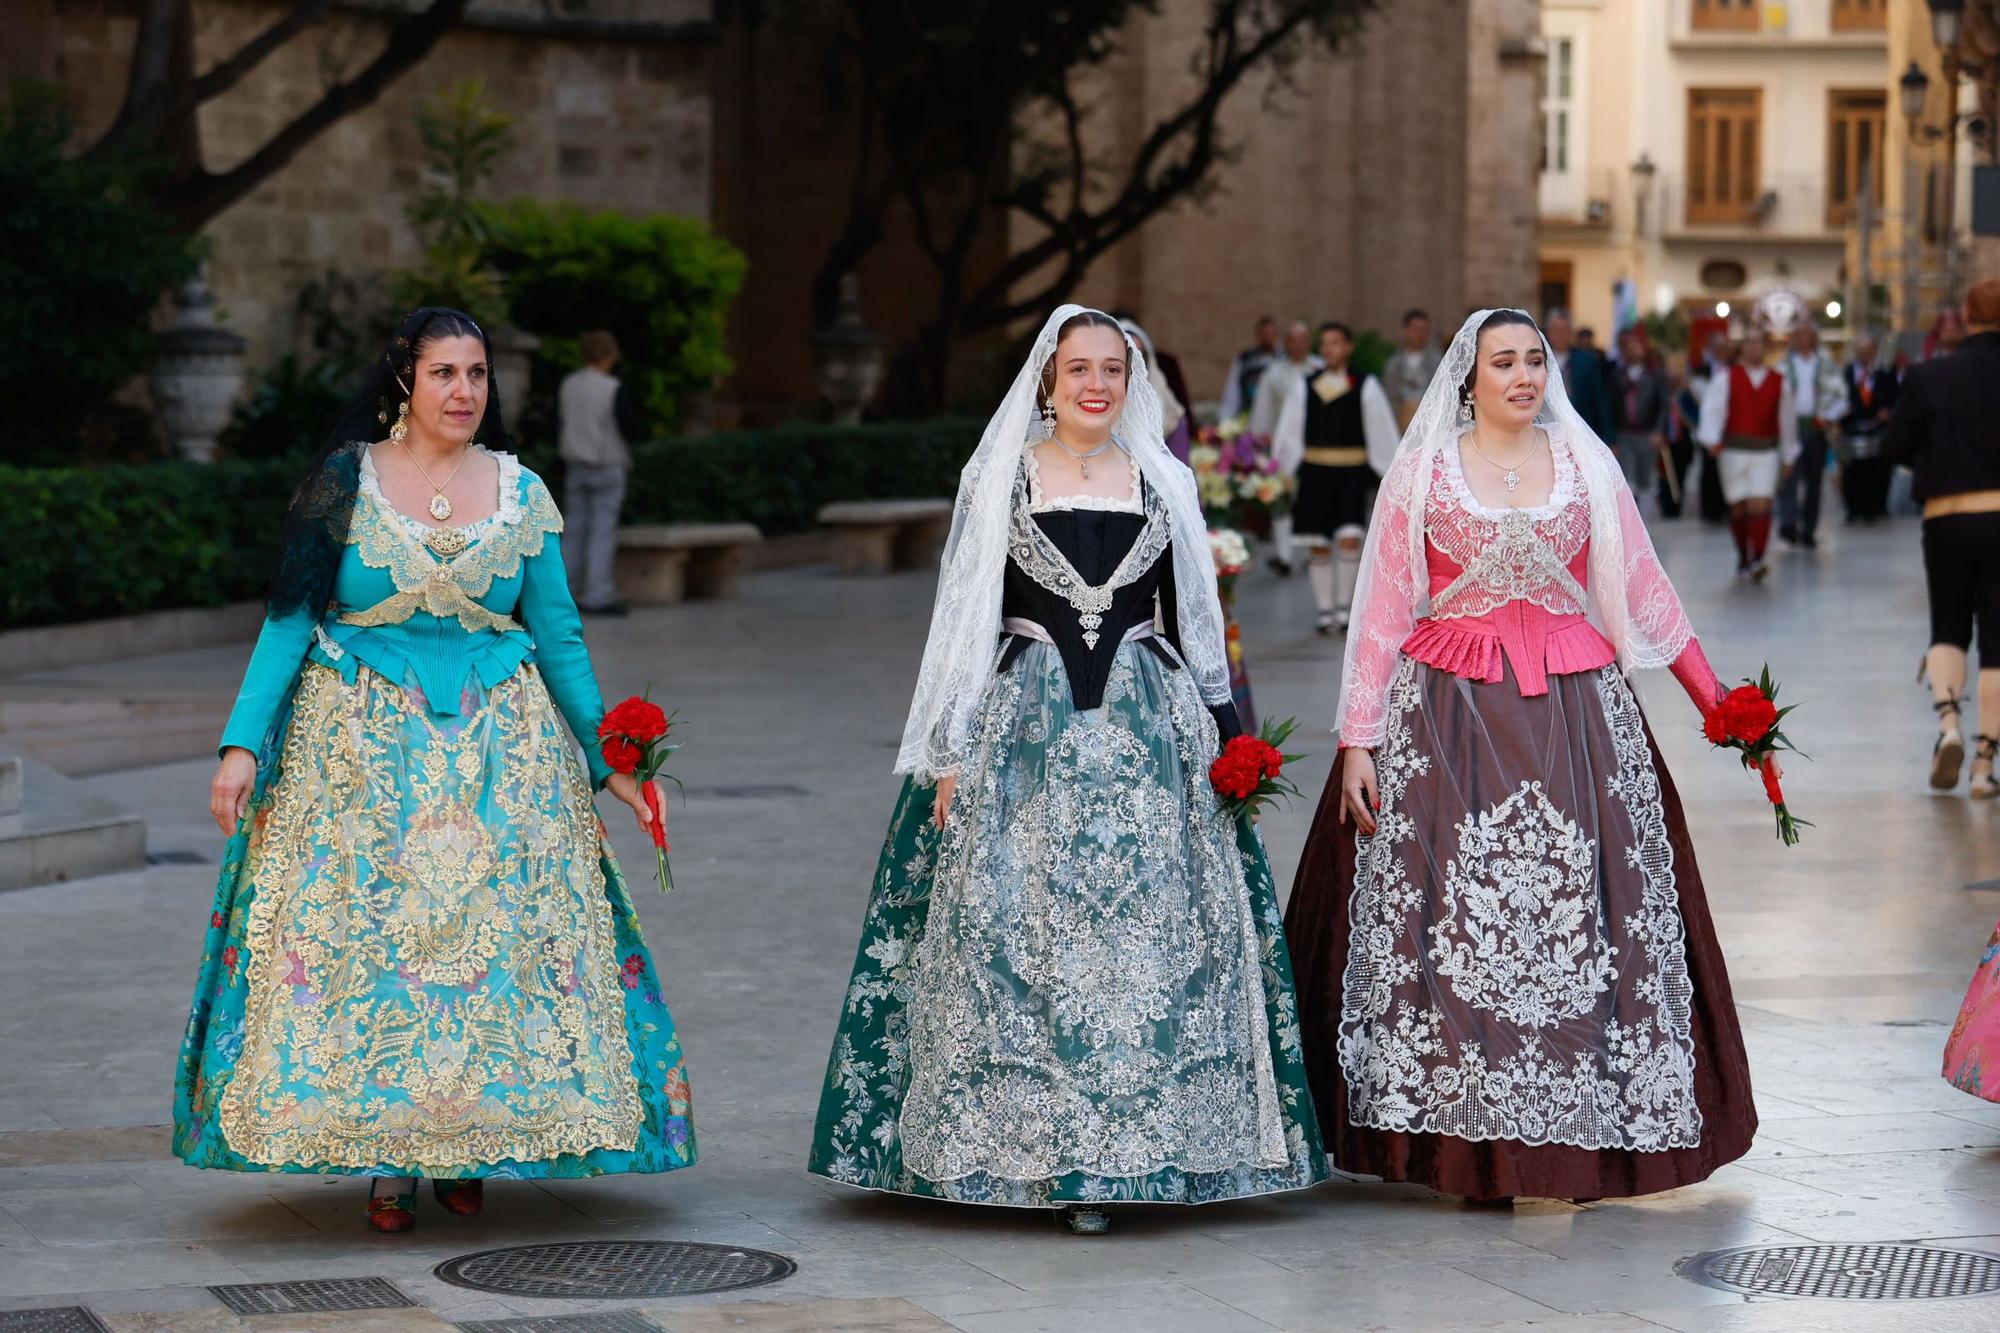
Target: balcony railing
x,y
1789,205
1584,198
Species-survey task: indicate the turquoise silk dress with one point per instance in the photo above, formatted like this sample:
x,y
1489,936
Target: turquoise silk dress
x,y
423,959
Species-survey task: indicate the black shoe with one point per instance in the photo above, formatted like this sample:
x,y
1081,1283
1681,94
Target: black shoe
x,y
613,609
1810,543
1789,535
1282,568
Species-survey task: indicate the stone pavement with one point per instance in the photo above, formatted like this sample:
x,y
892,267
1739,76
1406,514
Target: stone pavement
x,y
1848,956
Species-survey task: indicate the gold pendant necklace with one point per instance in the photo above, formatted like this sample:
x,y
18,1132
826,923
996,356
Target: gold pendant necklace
x,y
440,506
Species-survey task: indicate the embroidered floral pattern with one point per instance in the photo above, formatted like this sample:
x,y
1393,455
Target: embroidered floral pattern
x,y
431,966
1079,991
1552,1002
1520,937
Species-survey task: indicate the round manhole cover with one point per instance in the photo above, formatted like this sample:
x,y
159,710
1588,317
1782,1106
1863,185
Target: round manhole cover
x,y
601,1269
1846,1272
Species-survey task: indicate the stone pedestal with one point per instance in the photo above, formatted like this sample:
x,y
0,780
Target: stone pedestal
x,y
52,830
513,352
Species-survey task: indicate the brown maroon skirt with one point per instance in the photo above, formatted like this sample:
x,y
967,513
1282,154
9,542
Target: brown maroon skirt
x,y
1484,994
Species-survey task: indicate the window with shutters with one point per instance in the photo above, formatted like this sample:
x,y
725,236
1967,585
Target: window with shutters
x,y
1855,121
1725,15
1725,131
1860,15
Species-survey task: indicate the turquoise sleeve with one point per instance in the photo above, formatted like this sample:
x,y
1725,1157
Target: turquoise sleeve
x,y
549,612
268,681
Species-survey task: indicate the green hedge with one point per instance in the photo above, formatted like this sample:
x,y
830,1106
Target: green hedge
x,y
778,479
80,544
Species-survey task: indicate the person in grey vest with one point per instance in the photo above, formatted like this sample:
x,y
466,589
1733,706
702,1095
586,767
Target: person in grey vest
x,y
597,421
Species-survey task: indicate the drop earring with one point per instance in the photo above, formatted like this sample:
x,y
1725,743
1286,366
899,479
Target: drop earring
x,y
1049,417
401,429
1465,410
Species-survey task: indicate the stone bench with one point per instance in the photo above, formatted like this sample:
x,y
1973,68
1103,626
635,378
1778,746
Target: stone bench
x,y
660,564
877,536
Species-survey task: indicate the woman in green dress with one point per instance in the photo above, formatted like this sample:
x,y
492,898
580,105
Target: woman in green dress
x,y
1072,988
422,960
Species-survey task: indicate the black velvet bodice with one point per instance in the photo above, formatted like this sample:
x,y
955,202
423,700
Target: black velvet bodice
x,y
1336,424
1095,542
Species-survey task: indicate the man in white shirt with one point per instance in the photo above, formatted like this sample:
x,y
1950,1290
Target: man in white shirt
x,y
1338,437
1819,399
1282,384
1748,428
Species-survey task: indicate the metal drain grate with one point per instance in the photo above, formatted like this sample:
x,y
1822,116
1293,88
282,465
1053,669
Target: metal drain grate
x,y
54,1319
1846,1272
597,1269
311,1295
613,1321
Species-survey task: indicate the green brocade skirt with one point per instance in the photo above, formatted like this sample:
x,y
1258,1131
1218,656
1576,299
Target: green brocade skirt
x,y
1078,992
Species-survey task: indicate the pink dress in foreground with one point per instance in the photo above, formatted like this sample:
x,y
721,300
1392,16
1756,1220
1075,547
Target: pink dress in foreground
x,y
1968,1062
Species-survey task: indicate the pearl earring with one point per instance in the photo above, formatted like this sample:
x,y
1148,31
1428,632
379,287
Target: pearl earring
x,y
1465,410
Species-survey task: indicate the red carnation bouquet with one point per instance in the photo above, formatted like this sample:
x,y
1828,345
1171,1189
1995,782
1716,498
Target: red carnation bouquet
x,y
1249,774
633,739
1746,720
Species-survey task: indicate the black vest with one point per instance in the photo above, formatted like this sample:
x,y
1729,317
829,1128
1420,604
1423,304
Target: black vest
x,y
1335,425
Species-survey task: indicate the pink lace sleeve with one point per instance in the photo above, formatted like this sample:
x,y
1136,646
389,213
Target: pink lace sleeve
x,y
1692,670
1385,607
1656,629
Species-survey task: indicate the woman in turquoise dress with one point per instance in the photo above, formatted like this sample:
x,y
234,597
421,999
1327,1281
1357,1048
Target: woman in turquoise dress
x,y
1072,988
423,960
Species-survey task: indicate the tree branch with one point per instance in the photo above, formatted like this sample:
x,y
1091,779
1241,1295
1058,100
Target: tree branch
x,y
230,72
408,44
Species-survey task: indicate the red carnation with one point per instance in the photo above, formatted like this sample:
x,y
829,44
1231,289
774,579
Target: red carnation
x,y
621,754
1716,726
1748,714
1232,776
635,719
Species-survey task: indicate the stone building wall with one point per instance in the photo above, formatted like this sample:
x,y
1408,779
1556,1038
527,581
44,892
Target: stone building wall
x,y
612,108
1399,172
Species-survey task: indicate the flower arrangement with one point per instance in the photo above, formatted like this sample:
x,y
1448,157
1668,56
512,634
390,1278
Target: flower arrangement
x,y
633,739
1249,774
1746,720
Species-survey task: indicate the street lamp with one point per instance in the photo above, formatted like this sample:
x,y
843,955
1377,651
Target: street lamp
x,y
1642,190
1947,21
1916,87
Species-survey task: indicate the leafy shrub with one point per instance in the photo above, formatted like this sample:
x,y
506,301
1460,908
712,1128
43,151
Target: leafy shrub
x,y
84,255
78,544
290,407
779,478
661,284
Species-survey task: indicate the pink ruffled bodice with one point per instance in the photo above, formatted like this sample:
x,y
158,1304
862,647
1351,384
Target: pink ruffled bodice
x,y
1508,589
1508,584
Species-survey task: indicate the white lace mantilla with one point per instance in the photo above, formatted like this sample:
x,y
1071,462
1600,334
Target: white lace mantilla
x,y
1578,1028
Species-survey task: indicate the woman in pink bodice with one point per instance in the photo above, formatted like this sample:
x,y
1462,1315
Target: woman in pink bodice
x,y
1508,979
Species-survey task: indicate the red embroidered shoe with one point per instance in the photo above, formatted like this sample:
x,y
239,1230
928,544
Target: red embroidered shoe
x,y
391,1213
464,1197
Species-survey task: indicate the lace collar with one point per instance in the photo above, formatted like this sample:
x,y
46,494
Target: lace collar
x,y
1451,471
1039,503
507,514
